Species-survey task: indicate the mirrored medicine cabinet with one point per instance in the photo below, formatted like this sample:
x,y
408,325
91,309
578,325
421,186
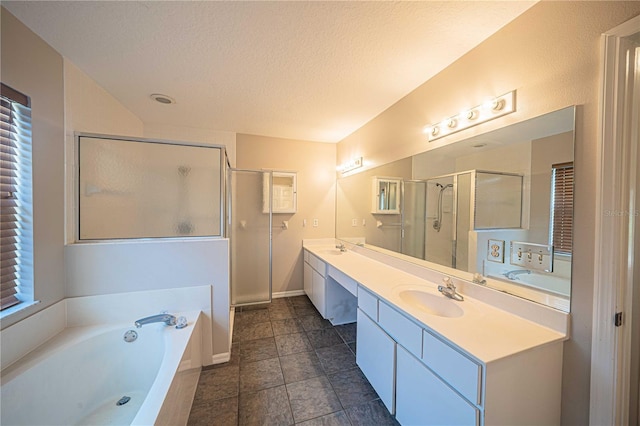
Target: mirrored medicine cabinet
x,y
283,187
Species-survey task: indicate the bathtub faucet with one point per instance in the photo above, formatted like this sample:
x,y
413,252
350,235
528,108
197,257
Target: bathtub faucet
x,y
165,318
513,275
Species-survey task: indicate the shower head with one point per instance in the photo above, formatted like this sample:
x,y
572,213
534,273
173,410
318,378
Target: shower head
x,y
441,186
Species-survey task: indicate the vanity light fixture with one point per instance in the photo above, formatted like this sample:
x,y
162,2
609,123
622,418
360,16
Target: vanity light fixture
x,y
354,163
494,108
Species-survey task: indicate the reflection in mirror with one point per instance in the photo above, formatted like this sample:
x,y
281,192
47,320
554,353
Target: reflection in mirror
x,y
499,204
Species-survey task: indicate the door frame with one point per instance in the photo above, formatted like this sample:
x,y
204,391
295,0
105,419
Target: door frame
x,y
614,235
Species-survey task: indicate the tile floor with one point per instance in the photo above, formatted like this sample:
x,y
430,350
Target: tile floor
x,y
288,366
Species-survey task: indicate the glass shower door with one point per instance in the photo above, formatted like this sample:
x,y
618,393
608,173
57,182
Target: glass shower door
x,y
413,217
249,230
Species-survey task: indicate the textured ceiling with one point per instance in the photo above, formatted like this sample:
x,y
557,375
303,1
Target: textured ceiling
x,y
301,70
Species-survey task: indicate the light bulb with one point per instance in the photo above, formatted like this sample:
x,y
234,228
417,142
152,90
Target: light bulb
x,y
497,104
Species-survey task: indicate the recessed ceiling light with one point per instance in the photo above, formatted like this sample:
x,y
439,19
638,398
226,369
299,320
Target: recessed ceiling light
x,y
163,99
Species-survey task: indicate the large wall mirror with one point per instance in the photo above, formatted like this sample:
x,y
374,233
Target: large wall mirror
x,y
497,207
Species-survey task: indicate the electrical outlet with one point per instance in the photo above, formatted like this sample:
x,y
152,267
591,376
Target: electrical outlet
x,y
364,222
304,223
354,222
315,223
495,251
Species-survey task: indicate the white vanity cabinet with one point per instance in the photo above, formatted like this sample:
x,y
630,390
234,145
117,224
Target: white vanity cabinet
x,y
376,357
422,398
421,381
314,281
332,292
425,379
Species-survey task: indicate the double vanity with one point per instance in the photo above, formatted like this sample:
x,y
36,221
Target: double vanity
x,y
490,359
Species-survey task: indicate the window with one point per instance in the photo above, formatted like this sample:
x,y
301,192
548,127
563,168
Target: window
x,y
562,208
16,233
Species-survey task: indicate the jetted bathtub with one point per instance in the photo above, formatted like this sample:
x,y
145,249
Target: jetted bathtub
x,y
92,376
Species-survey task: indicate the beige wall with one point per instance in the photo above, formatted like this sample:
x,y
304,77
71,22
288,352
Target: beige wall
x,y
32,67
91,109
193,134
315,164
550,55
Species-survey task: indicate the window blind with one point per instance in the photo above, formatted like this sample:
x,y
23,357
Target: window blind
x,y
562,231
15,208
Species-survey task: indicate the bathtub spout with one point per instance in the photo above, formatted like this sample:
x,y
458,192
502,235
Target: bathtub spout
x,y
165,318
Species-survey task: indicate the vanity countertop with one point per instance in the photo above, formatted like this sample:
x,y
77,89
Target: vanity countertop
x,y
484,331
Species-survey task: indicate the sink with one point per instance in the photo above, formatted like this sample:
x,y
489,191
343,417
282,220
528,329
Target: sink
x,y
432,304
331,251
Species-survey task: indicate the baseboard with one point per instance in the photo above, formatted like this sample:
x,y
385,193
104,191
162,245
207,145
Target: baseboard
x,y
289,293
220,358
232,320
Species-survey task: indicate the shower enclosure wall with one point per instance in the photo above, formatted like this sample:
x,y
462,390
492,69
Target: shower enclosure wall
x,y
459,203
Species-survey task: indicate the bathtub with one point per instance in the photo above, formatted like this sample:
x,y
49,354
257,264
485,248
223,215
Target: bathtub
x,y
79,376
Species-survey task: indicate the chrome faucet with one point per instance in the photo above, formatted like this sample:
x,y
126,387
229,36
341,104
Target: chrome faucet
x,y
449,290
341,247
165,318
513,275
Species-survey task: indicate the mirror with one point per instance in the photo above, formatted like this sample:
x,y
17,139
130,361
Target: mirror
x,y
498,204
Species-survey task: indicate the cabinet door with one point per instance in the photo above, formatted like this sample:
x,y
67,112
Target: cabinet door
x,y
318,292
308,279
423,399
376,357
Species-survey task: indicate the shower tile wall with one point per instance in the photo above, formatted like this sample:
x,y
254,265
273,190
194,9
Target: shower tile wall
x,y
288,366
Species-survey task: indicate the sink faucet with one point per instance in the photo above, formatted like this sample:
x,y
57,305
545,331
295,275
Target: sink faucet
x,y
165,318
513,275
449,290
341,247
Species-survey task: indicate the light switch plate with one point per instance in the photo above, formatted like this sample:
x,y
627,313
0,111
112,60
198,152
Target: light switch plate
x,y
538,257
495,251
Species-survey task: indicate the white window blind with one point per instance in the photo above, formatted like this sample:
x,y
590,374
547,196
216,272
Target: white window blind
x,y
562,209
16,232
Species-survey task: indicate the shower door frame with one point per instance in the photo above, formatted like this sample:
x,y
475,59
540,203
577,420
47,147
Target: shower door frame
x,y
229,183
75,189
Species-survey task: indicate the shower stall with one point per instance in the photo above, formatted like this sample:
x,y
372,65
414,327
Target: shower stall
x,y
459,203
249,228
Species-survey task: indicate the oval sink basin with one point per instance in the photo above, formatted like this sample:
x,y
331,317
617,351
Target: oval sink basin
x,y
432,304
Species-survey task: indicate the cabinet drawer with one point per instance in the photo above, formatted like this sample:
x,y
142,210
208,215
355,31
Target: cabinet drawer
x,y
423,399
343,279
403,330
368,303
305,254
317,264
455,368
